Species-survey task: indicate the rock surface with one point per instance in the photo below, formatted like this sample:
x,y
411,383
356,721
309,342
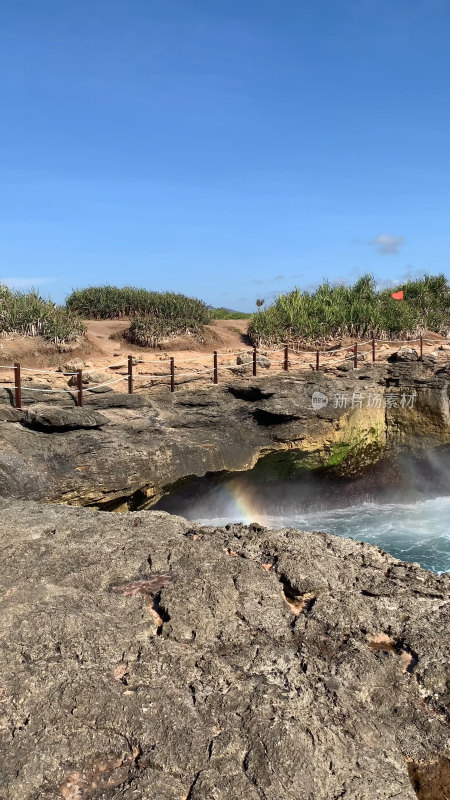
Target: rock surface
x,y
52,418
149,659
73,365
405,354
89,378
101,389
153,441
247,360
8,414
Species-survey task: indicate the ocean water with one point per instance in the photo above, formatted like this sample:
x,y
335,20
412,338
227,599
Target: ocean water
x,y
402,506
418,531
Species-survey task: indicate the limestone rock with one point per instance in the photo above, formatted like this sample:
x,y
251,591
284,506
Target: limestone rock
x,y
100,389
247,360
37,380
50,417
430,359
117,401
346,366
149,658
158,439
74,365
8,414
29,386
90,377
404,354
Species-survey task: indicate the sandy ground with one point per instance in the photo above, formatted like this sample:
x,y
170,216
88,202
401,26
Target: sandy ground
x,y
106,351
222,334
104,345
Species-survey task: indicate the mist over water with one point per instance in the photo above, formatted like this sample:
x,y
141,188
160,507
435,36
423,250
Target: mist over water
x,y
412,532
403,507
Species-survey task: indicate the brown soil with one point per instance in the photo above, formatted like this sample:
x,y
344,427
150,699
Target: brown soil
x,y
104,346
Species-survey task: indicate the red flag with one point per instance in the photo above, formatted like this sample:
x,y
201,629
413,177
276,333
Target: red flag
x,y
398,295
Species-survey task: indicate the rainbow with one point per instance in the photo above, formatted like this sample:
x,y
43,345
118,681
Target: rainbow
x,y
244,505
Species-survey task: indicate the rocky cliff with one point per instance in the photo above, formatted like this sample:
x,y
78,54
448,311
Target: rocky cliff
x,y
125,451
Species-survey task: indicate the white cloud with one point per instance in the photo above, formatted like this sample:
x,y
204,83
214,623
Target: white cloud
x,y
25,283
387,243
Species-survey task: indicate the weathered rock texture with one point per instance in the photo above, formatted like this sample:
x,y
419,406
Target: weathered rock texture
x,y
44,417
150,659
154,441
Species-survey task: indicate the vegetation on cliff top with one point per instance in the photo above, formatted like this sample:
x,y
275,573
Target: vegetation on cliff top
x,y
112,302
150,331
28,314
156,315
358,310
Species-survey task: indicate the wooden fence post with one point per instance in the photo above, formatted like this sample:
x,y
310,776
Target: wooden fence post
x,y
18,386
254,361
130,374
355,355
421,348
286,358
172,374
215,366
80,387
373,347
317,360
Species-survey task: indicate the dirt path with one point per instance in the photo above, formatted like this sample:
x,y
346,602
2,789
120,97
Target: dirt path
x,y
99,349
99,332
225,335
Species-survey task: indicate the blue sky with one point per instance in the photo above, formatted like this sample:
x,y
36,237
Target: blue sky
x,y
228,150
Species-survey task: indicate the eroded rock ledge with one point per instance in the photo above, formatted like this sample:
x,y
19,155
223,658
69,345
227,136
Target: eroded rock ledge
x,y
147,658
129,454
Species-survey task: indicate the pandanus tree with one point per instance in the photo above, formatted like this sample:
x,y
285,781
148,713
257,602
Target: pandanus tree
x,y
333,311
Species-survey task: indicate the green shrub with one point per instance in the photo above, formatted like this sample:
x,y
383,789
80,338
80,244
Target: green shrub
x,y
358,311
157,315
225,313
112,302
151,331
28,314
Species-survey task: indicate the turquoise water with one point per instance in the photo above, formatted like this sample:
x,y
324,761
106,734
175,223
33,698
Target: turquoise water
x,y
418,531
